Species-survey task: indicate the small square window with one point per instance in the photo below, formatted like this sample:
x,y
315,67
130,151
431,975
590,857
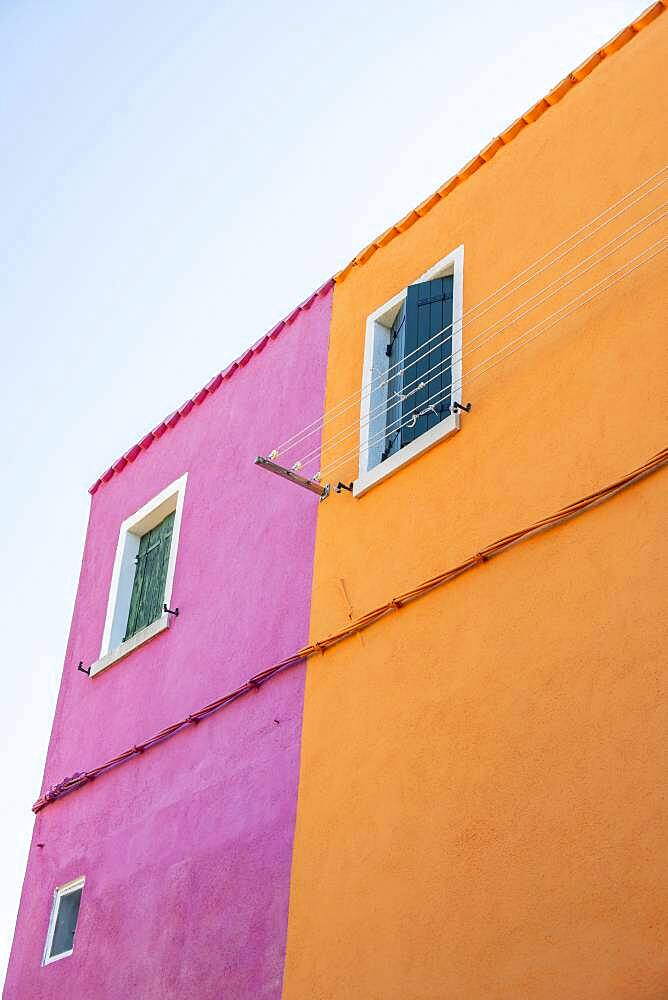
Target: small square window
x,y
63,922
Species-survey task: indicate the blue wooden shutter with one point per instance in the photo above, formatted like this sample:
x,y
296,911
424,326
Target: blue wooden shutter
x,y
395,353
148,589
428,350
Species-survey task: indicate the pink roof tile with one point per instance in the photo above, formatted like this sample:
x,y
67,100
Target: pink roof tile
x,y
260,344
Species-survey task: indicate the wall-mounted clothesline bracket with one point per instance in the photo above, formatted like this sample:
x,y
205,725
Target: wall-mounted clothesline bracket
x,y
293,477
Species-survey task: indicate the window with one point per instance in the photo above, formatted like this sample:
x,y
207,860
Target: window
x,y
63,922
148,588
142,576
420,379
412,372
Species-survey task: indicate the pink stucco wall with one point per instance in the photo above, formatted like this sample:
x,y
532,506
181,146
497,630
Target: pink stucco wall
x,y
187,849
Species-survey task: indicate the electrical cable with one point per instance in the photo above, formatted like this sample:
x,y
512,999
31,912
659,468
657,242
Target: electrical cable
x,y
482,556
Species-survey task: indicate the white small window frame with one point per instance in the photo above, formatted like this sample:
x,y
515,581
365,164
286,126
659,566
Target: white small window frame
x,y
374,392
113,648
58,894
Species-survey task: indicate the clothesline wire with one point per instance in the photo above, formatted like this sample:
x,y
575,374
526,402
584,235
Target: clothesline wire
x,y
333,412
513,346
505,352
612,246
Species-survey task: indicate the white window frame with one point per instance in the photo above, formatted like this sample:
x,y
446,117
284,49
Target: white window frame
x,y
58,893
374,392
113,648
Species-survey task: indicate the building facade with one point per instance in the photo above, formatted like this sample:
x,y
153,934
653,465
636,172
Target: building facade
x,y
443,777
480,813
185,848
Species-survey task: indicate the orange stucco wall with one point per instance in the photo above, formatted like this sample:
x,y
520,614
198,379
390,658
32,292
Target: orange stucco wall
x,y
482,808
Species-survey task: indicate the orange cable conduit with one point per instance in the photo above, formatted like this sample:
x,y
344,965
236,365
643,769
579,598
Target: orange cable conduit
x,y
359,624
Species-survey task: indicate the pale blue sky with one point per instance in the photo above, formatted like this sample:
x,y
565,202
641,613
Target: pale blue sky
x,y
174,179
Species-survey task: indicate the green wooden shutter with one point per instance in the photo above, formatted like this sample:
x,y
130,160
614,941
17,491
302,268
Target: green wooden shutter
x,y
148,589
428,312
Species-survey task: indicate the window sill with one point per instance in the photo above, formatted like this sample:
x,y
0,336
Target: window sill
x,y
367,480
57,958
138,639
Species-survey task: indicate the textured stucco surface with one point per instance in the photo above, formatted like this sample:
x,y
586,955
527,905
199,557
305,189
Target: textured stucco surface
x,y
186,850
481,807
